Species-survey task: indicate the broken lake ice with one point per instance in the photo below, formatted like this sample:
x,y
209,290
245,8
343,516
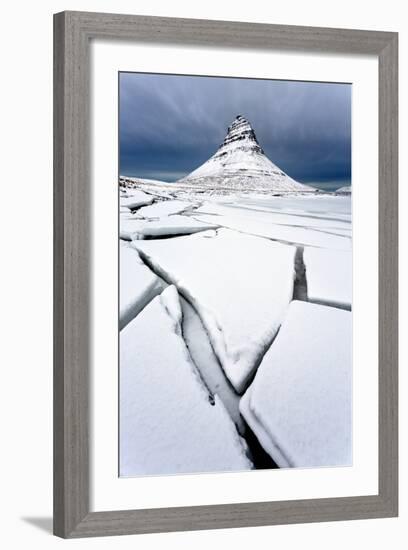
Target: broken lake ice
x,y
204,358
135,199
236,284
138,285
329,276
240,286
299,404
136,228
314,229
169,423
164,208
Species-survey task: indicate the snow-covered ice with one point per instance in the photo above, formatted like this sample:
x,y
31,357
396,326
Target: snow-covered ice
x,y
129,183
136,228
263,212
262,224
138,285
320,205
322,221
239,285
203,356
168,423
164,208
135,199
329,276
128,215
299,404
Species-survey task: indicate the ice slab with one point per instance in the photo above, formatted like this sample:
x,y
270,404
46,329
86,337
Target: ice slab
x,y
138,285
238,284
329,276
128,215
299,404
133,229
135,199
168,424
164,208
203,356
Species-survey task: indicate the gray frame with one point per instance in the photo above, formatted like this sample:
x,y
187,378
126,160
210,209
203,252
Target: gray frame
x,y
72,33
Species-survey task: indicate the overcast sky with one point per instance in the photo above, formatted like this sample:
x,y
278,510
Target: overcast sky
x,y
170,125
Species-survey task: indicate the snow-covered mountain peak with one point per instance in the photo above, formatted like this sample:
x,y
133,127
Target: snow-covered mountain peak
x,y
240,135
240,164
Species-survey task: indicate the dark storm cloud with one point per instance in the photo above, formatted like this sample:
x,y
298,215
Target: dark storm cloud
x,y
169,125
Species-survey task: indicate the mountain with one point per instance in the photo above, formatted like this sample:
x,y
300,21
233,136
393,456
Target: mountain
x,y
240,164
346,190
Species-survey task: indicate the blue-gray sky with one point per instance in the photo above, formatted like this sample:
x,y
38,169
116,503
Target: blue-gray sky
x,y
170,124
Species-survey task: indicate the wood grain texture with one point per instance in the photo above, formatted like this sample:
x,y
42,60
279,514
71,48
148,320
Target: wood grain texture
x,y
71,282
72,207
388,273
229,33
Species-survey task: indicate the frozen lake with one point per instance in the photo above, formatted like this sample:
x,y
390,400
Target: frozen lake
x,y
245,301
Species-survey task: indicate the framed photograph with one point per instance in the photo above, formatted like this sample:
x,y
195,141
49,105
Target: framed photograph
x,y
225,288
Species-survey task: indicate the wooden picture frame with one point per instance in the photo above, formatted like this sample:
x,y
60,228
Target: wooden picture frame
x,y
72,34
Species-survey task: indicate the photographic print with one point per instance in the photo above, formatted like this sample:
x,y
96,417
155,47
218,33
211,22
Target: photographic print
x,y
235,264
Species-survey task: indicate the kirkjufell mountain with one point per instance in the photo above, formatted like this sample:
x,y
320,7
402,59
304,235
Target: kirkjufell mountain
x,y
240,164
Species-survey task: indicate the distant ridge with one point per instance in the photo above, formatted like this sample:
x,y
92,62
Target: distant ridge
x,y
346,190
240,164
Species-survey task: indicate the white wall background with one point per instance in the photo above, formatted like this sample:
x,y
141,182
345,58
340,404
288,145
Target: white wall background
x,y
26,273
